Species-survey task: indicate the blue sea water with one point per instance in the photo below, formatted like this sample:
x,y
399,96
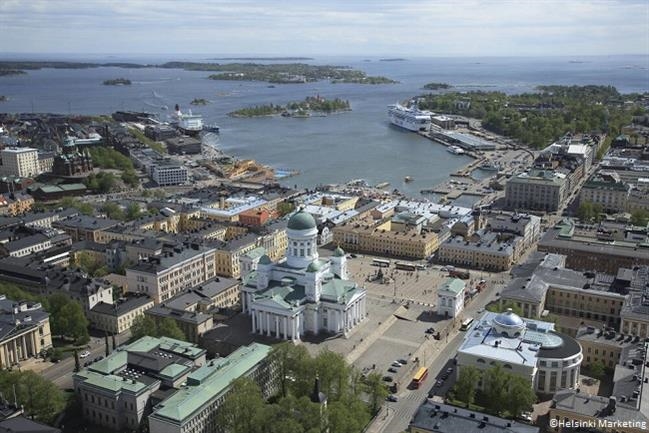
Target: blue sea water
x,y
356,144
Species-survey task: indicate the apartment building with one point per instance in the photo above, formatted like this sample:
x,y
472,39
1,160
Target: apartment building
x,y
162,277
20,162
536,189
119,316
606,189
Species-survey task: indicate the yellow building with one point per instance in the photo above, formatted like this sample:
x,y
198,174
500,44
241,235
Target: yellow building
x,y
370,237
118,317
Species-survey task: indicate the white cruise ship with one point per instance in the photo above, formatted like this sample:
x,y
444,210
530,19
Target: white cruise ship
x,y
411,119
190,124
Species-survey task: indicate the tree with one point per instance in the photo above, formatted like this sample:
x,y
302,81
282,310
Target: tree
x,y
133,211
377,391
168,327
597,369
502,307
640,217
466,385
520,395
495,387
67,318
285,208
241,411
333,372
73,203
113,210
42,399
143,325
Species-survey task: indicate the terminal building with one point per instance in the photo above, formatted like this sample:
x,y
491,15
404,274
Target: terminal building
x,y
302,293
528,348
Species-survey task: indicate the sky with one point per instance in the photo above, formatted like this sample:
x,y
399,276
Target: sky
x,y
312,28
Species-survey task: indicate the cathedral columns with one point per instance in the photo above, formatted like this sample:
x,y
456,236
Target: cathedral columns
x,y
254,322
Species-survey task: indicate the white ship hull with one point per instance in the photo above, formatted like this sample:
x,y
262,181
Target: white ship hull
x,y
410,119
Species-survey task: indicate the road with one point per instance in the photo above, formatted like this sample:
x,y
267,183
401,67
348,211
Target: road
x,y
396,416
61,373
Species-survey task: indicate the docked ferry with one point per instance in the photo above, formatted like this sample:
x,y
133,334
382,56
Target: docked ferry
x,y
455,150
410,118
190,124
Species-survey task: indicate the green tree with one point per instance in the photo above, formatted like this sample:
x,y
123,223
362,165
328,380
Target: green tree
x,y
133,211
113,211
68,319
375,388
143,325
466,385
74,203
495,388
90,264
597,369
640,217
285,208
520,395
504,306
41,398
241,412
589,211
333,372
168,327
347,416
129,177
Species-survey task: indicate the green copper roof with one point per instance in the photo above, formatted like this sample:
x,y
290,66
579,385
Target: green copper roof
x,y
301,221
338,252
265,260
256,253
315,266
454,285
209,382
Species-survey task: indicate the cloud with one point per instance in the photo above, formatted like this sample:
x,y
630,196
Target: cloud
x,y
424,28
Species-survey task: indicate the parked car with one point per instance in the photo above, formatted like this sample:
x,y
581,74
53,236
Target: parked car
x,y
430,331
526,417
392,370
387,378
402,361
392,398
84,354
449,370
396,364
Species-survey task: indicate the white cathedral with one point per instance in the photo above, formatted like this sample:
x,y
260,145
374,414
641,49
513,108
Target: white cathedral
x,y
302,293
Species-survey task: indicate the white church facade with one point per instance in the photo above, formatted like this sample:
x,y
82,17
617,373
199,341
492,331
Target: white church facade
x,y
302,293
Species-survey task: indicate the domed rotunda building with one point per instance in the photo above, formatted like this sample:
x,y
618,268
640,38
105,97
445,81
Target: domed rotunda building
x,y
302,293
528,348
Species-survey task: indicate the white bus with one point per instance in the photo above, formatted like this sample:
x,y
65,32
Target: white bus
x,y
466,323
382,263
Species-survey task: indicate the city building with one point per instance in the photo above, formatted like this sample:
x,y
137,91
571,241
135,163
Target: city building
x,y
72,163
24,331
15,204
528,348
20,424
183,145
606,189
387,237
544,284
162,277
484,250
194,407
537,190
601,249
302,293
450,297
119,316
626,410
603,345
20,162
85,227
435,417
635,314
118,391
169,173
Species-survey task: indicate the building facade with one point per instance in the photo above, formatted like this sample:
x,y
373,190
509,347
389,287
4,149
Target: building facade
x,y
450,298
537,190
24,331
302,293
20,162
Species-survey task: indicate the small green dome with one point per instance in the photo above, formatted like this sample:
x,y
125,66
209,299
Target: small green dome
x,y
265,260
301,221
314,266
338,252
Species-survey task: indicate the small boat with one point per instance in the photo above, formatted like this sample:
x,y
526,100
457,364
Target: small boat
x,y
382,184
490,166
455,150
408,179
